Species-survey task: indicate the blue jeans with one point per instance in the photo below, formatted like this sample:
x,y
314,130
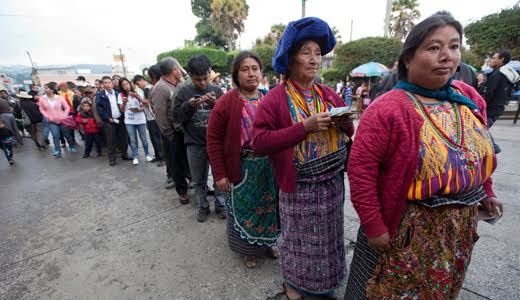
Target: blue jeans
x,y
7,146
58,131
45,129
55,130
132,133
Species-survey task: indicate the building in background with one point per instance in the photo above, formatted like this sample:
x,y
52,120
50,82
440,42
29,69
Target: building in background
x,y
70,73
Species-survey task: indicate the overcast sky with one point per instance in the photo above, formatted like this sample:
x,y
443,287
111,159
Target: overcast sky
x,y
73,32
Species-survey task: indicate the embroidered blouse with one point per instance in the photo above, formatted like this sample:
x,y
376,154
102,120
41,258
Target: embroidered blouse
x,y
455,151
248,114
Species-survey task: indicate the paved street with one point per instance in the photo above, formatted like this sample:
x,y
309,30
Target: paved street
x,y
75,228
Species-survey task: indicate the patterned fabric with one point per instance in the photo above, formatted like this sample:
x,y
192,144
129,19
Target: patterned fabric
x,y
330,162
302,104
455,151
248,114
253,204
429,255
312,250
361,269
237,243
469,198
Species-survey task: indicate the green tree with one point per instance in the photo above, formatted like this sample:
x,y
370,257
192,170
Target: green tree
x,y
332,75
266,53
272,38
227,17
470,57
495,31
219,58
379,49
206,36
404,15
336,33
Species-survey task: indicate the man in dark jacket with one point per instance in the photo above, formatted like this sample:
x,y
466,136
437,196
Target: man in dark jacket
x,y
162,97
7,114
32,110
192,107
497,88
115,130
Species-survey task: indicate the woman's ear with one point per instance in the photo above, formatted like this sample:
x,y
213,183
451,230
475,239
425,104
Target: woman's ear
x,y
406,61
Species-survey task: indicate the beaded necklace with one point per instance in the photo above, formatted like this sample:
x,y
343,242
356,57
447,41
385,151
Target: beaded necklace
x,y
468,157
456,144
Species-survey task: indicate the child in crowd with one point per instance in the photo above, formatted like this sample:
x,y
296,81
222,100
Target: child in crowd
x,y
6,142
85,118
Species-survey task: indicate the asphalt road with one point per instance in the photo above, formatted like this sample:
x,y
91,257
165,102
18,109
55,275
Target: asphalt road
x,y
75,228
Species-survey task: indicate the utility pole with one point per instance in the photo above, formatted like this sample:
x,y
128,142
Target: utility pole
x,y
303,8
122,61
34,72
387,17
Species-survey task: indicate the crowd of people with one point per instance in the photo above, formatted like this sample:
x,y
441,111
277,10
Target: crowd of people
x,y
419,169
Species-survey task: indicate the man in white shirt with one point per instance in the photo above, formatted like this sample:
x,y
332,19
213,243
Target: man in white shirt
x,y
115,130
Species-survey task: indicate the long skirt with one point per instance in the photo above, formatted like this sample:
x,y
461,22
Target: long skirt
x,y
252,208
428,258
312,250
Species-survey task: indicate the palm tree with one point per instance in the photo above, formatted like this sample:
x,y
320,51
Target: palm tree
x,y
228,16
404,15
272,38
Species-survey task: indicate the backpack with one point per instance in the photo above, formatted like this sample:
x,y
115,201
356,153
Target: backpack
x,y
513,77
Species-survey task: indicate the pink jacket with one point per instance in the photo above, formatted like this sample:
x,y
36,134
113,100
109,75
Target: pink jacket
x,y
384,158
55,114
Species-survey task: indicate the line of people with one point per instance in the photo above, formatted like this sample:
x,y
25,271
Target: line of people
x,y
419,168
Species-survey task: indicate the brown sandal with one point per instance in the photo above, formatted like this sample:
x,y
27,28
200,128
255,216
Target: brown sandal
x,y
250,262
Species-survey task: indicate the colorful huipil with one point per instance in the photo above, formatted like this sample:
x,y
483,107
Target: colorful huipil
x,y
302,104
456,153
252,208
248,114
432,248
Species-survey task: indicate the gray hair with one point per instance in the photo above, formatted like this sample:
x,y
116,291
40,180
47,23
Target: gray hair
x,y
168,64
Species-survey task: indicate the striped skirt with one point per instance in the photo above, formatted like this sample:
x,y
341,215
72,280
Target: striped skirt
x,y
312,249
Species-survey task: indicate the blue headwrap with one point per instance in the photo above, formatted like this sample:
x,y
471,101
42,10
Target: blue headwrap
x,y
444,93
310,28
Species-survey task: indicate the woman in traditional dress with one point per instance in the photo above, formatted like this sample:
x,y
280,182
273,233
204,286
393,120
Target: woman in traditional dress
x,y
308,152
420,172
252,222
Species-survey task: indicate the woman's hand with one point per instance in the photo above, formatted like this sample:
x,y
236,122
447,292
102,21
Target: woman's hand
x,y
317,122
380,243
492,206
223,185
